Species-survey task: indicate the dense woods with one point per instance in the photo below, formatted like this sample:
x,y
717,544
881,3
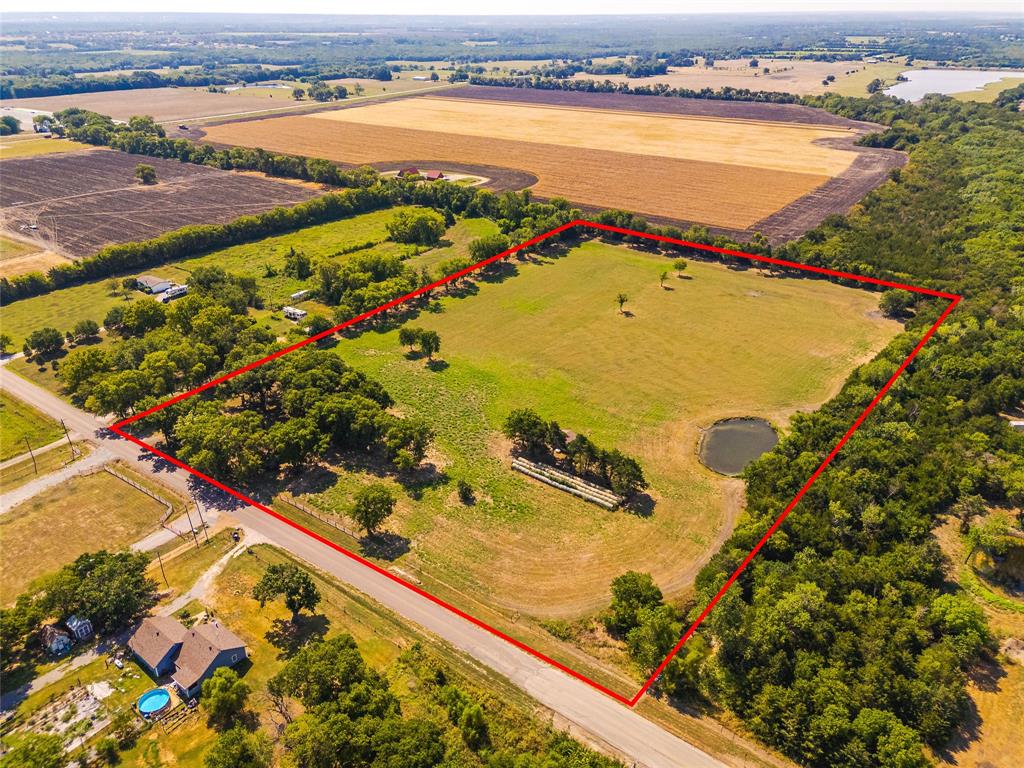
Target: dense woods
x,y
841,644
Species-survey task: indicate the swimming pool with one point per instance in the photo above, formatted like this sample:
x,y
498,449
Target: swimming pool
x,y
154,702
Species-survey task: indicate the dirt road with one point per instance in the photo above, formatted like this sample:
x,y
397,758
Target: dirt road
x,y
605,721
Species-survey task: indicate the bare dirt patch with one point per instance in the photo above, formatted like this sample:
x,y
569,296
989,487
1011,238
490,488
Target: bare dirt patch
x,y
80,202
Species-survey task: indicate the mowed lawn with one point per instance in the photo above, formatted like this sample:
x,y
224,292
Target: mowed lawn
x,y
30,146
85,514
19,421
719,343
62,309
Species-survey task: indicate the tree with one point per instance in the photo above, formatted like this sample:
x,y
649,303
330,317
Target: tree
x,y
373,505
38,750
664,277
420,228
631,593
527,430
9,125
621,299
897,303
473,725
146,174
108,750
5,342
430,343
85,329
297,265
408,336
487,246
298,94
45,341
679,265
298,589
237,748
223,696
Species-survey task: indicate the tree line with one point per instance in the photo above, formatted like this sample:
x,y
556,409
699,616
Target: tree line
x,y
842,644
65,84
533,436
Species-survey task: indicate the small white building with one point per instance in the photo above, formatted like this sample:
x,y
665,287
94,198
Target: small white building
x,y
151,284
300,295
80,627
294,313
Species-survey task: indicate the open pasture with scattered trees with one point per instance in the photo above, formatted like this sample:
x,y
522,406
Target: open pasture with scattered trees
x,y
82,201
641,383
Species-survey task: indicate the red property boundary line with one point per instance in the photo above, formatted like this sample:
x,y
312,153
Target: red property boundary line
x,y
954,299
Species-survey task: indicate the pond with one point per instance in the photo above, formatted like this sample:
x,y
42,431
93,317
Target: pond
x,y
924,81
728,446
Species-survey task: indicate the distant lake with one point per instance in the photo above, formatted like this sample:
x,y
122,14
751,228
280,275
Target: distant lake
x,y
924,81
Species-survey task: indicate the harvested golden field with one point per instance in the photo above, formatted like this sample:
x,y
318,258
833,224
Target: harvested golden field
x,y
762,144
720,172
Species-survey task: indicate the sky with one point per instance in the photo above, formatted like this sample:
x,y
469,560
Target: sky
x,y
528,7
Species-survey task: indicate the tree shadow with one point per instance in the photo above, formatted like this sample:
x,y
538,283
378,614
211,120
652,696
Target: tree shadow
x,y
437,365
384,545
290,637
315,479
627,313
684,277
212,496
667,288
640,504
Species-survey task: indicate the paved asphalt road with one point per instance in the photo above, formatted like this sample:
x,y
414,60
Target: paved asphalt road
x,y
589,710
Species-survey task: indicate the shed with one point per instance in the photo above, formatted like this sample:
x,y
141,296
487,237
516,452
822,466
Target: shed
x,y
151,284
80,627
55,640
407,172
434,176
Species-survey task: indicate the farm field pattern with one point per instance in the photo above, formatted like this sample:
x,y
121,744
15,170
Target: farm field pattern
x,y
728,171
83,201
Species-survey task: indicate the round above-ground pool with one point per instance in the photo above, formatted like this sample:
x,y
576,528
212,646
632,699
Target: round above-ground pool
x,y
154,702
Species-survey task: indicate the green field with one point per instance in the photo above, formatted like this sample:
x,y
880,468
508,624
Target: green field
x,y
62,309
26,470
85,514
990,91
551,338
20,421
30,146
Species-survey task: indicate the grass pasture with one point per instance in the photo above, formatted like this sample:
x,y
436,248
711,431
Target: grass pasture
x,y
32,145
19,421
85,514
25,471
551,338
679,167
63,308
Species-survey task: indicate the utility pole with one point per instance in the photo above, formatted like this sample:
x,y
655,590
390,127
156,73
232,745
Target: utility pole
x,y
34,465
191,527
68,436
161,561
202,522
